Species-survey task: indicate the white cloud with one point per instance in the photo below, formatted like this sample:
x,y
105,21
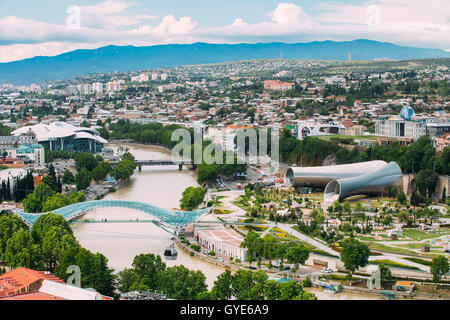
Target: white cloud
x,y
171,25
239,23
120,22
288,13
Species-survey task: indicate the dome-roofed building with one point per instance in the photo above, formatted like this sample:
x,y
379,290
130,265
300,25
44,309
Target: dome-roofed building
x,y
64,136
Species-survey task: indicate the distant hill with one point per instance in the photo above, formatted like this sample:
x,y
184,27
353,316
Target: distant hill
x,y
129,58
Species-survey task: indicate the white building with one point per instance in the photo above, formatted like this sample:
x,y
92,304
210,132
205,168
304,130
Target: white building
x,y
97,87
143,77
164,76
222,241
113,86
155,76
397,127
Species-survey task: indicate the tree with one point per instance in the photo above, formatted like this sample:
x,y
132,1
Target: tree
x,y
9,225
347,208
104,281
180,283
82,179
297,254
401,198
272,290
99,173
404,216
222,289
148,268
249,285
128,280
439,267
124,170
50,179
54,202
385,274
290,290
45,222
252,242
68,177
354,255
426,181
85,160
192,198
270,249
32,203
21,251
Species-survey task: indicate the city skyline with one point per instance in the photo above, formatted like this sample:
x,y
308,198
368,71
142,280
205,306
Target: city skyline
x,y
51,28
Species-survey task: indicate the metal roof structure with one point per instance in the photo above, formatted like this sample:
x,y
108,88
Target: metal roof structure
x,y
319,176
374,183
58,130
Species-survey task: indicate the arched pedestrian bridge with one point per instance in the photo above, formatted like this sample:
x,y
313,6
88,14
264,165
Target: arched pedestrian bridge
x,y
170,218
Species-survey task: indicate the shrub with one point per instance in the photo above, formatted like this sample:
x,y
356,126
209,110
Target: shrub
x,y
195,247
307,282
212,253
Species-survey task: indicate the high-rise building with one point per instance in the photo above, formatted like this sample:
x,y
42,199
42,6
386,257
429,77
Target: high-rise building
x,y
113,86
97,87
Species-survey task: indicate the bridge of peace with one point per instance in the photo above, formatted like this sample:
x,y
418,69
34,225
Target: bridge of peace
x,y
164,218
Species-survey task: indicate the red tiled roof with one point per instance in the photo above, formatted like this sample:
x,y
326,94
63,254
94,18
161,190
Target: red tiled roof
x,y
35,295
20,279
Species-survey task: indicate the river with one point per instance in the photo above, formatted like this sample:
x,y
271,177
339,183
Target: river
x,y
121,242
162,186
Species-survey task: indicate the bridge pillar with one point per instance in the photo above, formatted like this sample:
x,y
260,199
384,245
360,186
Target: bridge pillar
x,y
140,168
180,166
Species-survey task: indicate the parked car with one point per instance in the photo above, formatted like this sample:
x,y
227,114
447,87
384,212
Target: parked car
x,y
252,267
220,259
326,270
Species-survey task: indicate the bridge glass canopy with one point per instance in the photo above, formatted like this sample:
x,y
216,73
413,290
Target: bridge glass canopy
x,y
173,218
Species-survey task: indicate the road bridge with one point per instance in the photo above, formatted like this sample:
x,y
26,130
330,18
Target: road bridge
x,y
145,163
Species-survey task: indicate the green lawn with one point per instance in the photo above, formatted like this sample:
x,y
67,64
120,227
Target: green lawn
x,y
411,245
384,248
418,260
394,264
420,235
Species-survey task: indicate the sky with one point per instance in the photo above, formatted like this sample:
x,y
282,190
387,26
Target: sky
x,y
31,28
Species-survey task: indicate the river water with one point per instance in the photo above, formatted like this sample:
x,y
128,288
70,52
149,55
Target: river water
x,y
121,242
161,186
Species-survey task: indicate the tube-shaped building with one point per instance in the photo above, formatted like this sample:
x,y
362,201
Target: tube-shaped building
x,y
320,176
374,183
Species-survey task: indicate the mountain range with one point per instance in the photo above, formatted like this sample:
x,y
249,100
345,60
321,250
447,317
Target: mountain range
x,y
128,58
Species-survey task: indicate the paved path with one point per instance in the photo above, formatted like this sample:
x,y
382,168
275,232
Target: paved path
x,y
308,239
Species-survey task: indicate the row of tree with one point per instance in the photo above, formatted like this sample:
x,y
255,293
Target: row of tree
x,y
51,246
45,199
150,273
269,248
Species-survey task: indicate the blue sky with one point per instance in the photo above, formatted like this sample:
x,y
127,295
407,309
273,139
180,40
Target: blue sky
x,y
46,27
